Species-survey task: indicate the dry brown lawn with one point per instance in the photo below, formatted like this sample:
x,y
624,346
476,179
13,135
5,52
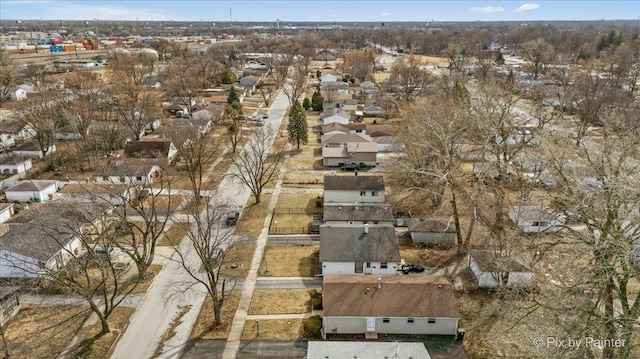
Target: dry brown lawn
x,y
174,235
306,163
100,348
426,256
308,201
252,219
311,178
42,331
238,261
204,327
290,223
144,285
280,302
290,261
295,222
273,329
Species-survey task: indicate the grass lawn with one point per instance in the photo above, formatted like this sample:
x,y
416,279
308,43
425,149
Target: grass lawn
x,y
290,261
42,331
308,201
204,327
273,329
238,261
174,235
144,285
100,348
302,162
315,178
280,302
252,219
294,212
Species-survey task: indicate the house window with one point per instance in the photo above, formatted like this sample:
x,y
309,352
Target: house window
x,y
363,193
540,224
353,153
409,320
105,178
431,320
385,320
122,179
139,178
374,193
383,265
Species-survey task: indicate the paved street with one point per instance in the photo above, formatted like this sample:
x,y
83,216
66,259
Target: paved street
x,y
167,300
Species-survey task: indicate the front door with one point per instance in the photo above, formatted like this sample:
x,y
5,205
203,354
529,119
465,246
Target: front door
x,y
371,324
367,268
358,268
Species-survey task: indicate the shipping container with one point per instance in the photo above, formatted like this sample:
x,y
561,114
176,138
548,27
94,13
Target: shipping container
x,y
69,48
55,41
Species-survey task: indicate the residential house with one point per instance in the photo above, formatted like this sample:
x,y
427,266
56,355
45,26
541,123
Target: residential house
x,y
372,111
353,189
9,303
350,105
329,78
128,173
211,112
249,83
13,131
340,148
492,270
69,133
45,237
174,109
331,90
340,118
161,148
335,128
14,165
359,249
402,304
32,191
330,108
440,232
98,192
519,135
536,219
32,149
374,213
6,211
326,55
368,88
352,349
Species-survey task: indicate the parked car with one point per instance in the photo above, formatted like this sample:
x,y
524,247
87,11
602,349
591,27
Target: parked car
x,y
255,117
265,116
232,218
260,122
407,268
216,253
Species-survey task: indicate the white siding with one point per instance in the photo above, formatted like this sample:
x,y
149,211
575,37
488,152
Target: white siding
x,y
19,168
396,325
28,196
333,196
433,238
6,214
350,268
491,279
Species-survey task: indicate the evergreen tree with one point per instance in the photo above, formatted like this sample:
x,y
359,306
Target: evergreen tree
x,y
234,100
227,76
316,101
306,103
297,126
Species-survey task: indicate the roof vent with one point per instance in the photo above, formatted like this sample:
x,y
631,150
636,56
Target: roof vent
x,y
439,285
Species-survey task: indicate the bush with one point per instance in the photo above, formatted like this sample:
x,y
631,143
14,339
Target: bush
x,y
306,103
312,327
316,299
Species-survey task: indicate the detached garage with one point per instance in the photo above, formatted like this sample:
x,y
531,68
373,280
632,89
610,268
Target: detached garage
x,y
32,191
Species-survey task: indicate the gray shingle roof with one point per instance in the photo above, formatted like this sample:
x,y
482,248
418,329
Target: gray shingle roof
x,y
432,226
31,186
353,183
363,212
350,243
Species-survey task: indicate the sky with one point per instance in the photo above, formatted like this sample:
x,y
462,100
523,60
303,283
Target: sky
x,y
320,10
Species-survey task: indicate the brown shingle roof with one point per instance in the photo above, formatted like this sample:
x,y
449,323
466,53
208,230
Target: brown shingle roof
x,y
148,149
398,296
28,146
11,126
350,243
334,126
363,212
31,186
489,262
353,183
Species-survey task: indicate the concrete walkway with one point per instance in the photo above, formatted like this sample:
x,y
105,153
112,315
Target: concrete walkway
x,y
279,316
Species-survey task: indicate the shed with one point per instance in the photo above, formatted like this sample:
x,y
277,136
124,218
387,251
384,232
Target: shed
x,y
32,191
432,231
537,219
14,165
492,270
32,149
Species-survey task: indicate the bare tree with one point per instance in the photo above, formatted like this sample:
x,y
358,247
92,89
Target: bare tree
x,y
408,80
359,63
131,68
256,165
135,108
8,74
294,88
40,112
232,120
593,99
539,55
457,53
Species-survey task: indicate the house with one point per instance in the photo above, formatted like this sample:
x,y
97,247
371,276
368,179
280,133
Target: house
x,y
330,90
432,232
359,249
172,109
352,128
537,219
249,83
12,131
340,148
98,192
326,55
352,349
402,304
340,118
14,165
329,78
492,270
128,173
45,237
9,303
32,191
353,189
32,149
6,211
375,213
18,94
350,105
69,133
368,88
372,111
151,148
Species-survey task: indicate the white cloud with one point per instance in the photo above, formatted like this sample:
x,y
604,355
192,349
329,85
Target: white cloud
x,y
488,9
385,14
526,7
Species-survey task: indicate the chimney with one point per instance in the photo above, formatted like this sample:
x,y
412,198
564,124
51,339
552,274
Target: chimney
x,y
379,282
366,228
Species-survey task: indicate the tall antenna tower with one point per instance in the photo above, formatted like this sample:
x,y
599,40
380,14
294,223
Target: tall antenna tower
x,y
230,17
